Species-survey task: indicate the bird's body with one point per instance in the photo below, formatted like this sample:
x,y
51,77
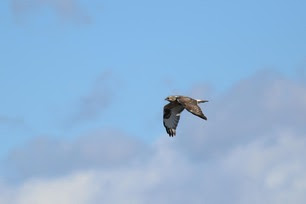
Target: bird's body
x,y
173,110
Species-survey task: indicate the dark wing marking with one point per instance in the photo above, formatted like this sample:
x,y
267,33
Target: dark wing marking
x,y
192,106
171,117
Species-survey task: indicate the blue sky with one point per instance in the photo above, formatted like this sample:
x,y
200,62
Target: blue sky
x,y
68,68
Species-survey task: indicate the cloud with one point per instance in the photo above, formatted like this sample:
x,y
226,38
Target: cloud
x,y
14,123
46,157
255,173
76,188
66,9
6,120
99,98
253,108
251,150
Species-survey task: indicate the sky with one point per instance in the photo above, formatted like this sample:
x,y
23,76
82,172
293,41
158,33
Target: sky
x,y
83,83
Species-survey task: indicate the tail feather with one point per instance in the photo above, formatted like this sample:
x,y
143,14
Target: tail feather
x,y
202,101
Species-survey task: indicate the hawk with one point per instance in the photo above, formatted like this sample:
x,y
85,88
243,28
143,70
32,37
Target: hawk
x,y
172,111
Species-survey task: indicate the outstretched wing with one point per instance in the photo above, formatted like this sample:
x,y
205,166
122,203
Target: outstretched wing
x,y
195,110
171,117
192,106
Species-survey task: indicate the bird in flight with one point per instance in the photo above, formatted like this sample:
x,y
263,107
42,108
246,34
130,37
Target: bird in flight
x,y
172,111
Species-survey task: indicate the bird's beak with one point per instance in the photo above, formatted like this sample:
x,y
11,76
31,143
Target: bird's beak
x,y
166,99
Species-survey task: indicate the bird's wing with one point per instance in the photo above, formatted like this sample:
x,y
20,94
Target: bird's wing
x,y
172,116
191,105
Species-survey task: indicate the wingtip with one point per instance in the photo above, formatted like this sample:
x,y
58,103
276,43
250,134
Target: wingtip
x,y
171,132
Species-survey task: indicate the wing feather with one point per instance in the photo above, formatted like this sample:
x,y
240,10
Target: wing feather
x,y
195,110
191,105
171,117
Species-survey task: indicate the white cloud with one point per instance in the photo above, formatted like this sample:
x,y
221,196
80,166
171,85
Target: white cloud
x,y
244,153
75,188
253,173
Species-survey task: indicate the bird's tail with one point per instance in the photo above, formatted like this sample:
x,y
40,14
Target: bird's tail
x,y
202,101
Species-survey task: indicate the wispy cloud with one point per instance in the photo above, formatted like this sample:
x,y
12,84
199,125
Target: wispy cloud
x,y
70,10
251,150
99,98
6,120
14,123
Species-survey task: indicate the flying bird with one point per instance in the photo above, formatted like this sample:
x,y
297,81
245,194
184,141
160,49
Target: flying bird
x,y
172,111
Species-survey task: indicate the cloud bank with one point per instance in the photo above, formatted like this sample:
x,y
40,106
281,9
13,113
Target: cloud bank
x,y
251,150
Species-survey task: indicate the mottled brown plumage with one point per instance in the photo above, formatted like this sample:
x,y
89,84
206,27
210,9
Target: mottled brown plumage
x,y
173,110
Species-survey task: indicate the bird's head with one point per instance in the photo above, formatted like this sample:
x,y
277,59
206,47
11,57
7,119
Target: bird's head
x,y
171,98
